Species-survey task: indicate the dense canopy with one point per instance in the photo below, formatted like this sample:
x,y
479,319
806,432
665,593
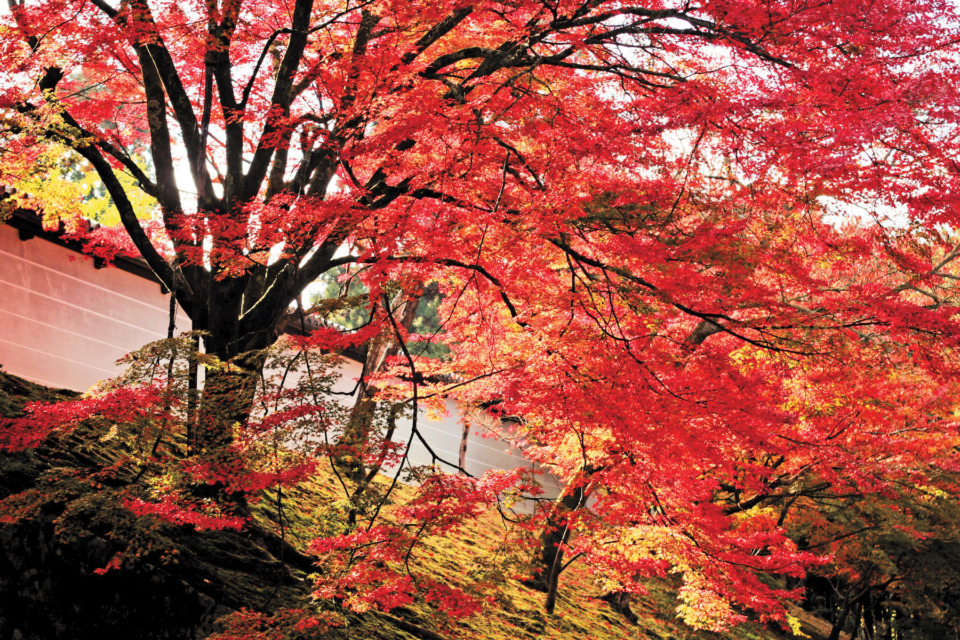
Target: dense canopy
x,y
701,252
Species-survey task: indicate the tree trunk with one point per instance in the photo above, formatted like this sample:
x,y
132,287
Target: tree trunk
x,y
227,400
869,620
228,392
620,601
364,483
838,625
357,431
229,389
464,438
553,581
557,531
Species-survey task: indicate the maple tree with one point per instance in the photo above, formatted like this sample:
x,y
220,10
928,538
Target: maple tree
x,y
889,567
641,219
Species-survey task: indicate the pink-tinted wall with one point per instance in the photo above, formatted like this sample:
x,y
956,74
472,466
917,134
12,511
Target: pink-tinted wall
x,y
64,323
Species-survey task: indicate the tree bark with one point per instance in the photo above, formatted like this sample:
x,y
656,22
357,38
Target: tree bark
x,y
620,601
464,437
557,532
838,625
357,431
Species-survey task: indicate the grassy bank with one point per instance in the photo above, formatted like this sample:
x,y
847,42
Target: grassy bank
x,y
224,572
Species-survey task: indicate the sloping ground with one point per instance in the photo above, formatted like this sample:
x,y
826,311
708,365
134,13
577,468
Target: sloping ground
x,y
177,583
518,614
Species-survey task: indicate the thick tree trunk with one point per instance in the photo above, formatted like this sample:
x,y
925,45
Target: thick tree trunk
x,y
364,483
228,392
553,584
227,400
554,534
229,389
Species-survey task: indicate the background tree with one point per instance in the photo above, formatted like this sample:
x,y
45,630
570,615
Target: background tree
x,y
891,570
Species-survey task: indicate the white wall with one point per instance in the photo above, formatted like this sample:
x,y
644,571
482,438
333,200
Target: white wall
x,y
64,323
443,436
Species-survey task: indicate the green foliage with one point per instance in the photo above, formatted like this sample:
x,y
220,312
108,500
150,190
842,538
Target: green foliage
x,y
428,322
344,300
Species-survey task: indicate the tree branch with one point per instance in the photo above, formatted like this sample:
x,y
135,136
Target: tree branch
x,y
280,101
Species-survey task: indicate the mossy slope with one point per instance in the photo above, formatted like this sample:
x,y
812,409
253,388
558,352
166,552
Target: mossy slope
x,y
178,583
